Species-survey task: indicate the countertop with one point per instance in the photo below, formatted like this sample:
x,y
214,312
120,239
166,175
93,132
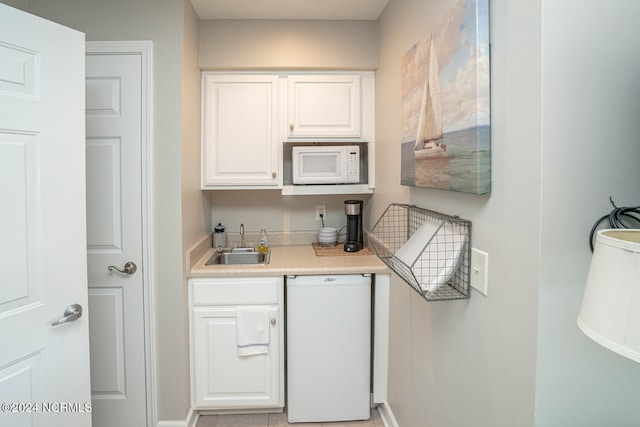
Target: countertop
x,y
285,260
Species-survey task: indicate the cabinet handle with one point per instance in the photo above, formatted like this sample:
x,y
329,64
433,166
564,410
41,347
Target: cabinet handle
x,y
273,320
273,175
291,126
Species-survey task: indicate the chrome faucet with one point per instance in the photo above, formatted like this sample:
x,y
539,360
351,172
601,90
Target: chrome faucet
x,y
242,242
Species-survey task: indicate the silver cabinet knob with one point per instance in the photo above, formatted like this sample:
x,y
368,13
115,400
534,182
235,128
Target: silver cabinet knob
x,y
273,320
291,126
273,175
129,268
71,313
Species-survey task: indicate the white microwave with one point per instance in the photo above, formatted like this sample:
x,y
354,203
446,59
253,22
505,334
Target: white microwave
x,y
326,164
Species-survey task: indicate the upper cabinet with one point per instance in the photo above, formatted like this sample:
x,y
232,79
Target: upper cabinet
x,y
247,116
324,105
240,146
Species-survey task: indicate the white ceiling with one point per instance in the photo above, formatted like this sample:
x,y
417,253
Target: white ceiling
x,y
289,9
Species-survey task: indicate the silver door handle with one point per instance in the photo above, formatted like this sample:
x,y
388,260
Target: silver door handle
x,y
71,313
129,268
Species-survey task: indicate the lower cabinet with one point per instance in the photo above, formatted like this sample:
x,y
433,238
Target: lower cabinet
x,y
221,378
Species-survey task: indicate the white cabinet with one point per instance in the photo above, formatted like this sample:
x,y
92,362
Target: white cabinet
x,y
246,117
220,378
335,108
240,143
324,105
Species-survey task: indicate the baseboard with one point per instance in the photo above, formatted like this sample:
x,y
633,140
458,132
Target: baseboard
x,y
387,415
190,421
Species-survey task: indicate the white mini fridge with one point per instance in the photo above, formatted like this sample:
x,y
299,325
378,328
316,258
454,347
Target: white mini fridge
x,y
328,348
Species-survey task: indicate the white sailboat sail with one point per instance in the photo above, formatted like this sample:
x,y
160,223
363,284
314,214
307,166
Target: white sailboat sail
x,y
433,113
423,107
430,119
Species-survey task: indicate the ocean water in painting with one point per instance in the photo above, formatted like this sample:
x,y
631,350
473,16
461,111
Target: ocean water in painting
x,y
467,168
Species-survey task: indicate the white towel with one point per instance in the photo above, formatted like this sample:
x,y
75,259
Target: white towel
x,y
252,330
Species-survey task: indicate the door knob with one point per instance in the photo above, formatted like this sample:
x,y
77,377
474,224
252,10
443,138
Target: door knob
x,y
71,313
129,268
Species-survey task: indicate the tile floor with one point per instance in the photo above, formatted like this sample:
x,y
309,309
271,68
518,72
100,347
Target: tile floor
x,y
278,420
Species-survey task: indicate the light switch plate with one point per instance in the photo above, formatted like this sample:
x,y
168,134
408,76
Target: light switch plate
x,y
479,270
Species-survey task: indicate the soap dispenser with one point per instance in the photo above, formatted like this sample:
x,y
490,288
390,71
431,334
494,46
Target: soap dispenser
x,y
263,243
219,237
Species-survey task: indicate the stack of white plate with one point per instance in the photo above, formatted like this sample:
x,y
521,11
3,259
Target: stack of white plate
x,y
327,236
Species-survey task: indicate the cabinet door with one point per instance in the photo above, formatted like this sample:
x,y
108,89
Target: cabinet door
x,y
324,106
240,131
224,380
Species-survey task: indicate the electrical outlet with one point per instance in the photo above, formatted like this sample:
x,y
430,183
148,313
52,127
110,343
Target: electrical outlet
x,y
321,209
479,270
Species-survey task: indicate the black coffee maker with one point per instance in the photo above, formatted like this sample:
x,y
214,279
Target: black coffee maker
x,y
353,209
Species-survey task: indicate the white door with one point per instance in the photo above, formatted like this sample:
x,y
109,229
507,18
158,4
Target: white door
x,y
114,239
44,369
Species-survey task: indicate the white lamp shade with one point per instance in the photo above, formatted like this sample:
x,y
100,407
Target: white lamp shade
x,y
610,312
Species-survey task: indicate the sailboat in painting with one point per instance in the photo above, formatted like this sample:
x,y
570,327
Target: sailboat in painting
x,y
429,133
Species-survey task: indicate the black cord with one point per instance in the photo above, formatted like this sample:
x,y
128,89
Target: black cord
x,y
615,218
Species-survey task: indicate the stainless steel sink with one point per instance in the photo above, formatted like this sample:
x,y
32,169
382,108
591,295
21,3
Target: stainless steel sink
x,y
232,258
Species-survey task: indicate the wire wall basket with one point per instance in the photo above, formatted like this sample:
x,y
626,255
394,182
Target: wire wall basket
x,y
429,250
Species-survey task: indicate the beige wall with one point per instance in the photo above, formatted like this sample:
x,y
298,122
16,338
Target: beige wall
x,y
18,4
473,362
516,357
240,44
196,212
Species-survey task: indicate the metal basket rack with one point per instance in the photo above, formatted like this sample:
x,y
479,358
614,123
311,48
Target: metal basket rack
x,y
429,250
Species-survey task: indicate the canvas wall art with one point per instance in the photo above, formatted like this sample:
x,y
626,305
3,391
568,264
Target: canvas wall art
x,y
446,117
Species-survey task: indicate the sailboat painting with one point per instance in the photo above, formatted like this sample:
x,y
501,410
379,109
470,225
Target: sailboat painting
x,y
445,104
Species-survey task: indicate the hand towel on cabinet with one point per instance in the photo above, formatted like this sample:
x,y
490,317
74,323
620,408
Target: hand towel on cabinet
x,y
252,330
